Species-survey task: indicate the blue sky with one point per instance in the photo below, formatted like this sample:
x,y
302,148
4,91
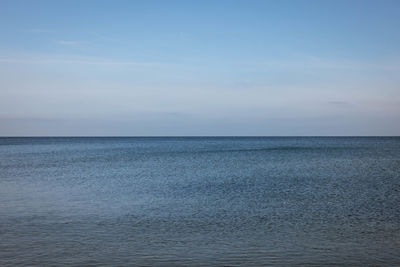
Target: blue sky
x,y
199,68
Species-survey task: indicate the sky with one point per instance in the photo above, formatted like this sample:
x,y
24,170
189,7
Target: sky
x,y
184,68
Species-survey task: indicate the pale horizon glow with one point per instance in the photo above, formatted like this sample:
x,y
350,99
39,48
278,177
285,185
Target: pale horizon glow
x,y
195,68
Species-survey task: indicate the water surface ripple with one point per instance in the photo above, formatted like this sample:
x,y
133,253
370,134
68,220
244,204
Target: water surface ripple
x,y
200,201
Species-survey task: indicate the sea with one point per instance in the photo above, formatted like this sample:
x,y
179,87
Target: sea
x,y
200,201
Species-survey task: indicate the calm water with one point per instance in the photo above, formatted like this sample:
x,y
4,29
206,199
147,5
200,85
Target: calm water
x,y
199,201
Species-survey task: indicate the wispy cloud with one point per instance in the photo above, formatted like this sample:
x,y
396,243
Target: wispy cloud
x,y
72,59
319,63
38,30
70,43
339,103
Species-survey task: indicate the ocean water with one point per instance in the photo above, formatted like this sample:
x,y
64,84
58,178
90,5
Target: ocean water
x,y
234,201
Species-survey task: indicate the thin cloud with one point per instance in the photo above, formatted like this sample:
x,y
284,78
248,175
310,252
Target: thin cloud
x,y
39,30
70,43
318,63
76,60
339,103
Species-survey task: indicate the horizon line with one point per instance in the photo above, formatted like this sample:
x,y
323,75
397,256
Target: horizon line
x,y
184,136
